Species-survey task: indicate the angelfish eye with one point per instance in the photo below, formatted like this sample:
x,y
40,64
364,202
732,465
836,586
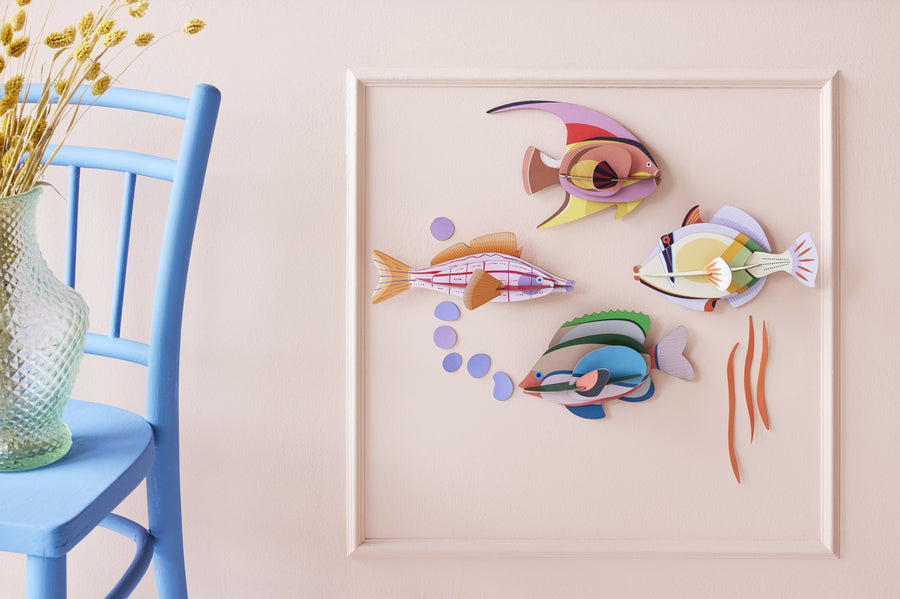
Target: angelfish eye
x,y
649,164
538,375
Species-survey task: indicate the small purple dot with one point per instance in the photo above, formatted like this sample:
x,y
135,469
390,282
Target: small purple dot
x,y
478,365
452,362
446,311
442,228
444,337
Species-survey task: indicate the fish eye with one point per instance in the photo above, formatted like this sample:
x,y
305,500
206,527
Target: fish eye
x,y
649,164
538,375
539,280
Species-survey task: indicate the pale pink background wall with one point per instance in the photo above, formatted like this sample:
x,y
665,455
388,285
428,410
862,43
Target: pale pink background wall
x,y
264,351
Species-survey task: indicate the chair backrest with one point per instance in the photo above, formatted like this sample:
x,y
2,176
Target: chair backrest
x,y
186,173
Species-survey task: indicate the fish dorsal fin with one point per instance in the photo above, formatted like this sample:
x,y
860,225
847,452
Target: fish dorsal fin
x,y
740,221
501,243
615,322
692,217
481,289
638,318
457,250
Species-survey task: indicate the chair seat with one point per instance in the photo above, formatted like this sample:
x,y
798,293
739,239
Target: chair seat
x,y
47,511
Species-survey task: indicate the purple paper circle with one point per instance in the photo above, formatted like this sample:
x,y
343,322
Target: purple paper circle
x,y
446,311
478,365
452,362
442,228
503,386
444,337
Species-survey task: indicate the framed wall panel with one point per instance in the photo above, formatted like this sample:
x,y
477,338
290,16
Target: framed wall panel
x,y
437,467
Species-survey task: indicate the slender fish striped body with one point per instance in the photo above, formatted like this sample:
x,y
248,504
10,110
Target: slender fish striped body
x,y
487,270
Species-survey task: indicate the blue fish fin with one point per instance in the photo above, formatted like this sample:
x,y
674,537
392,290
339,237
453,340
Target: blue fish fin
x,y
642,392
592,411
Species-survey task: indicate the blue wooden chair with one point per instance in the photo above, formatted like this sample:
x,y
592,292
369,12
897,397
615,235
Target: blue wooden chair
x,y
44,513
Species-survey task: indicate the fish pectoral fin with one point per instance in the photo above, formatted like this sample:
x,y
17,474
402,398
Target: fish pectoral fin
x,y
592,383
626,207
718,272
572,209
481,289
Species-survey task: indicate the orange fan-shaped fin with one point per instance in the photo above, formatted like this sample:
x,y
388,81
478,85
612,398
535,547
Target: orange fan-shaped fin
x,y
481,289
501,243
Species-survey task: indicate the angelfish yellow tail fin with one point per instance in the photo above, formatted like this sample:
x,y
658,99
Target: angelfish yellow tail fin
x,y
393,277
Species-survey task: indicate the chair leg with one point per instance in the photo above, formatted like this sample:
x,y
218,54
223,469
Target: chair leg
x,y
164,512
46,577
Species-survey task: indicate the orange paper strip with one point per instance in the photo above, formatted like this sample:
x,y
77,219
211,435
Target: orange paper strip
x,y
731,454
747,393
761,381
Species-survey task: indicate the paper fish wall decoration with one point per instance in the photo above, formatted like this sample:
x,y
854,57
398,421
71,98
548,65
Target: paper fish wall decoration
x,y
488,269
604,165
728,257
600,357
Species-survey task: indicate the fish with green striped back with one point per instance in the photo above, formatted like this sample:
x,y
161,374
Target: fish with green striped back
x,y
604,356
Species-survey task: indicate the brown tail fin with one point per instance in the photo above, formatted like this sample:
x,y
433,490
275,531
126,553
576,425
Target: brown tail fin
x,y
535,174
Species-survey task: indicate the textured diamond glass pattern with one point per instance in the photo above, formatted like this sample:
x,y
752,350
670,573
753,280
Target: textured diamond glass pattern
x,y
42,332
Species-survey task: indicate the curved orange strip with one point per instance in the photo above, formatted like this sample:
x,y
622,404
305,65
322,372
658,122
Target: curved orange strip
x,y
747,362
731,454
761,381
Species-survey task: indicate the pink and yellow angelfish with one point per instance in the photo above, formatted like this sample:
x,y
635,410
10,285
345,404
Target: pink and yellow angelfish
x,y
604,165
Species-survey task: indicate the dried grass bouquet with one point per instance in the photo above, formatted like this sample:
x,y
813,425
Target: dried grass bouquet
x,y
78,63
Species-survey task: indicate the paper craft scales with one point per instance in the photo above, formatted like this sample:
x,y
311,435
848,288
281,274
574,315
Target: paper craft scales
x,y
726,258
601,357
604,165
488,269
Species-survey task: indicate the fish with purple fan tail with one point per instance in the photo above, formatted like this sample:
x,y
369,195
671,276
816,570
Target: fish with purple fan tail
x,y
604,165
727,258
604,356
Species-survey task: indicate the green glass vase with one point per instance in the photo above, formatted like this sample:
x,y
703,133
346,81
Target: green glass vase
x,y
42,333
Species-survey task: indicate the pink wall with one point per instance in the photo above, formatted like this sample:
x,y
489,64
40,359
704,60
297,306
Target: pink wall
x,y
264,369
